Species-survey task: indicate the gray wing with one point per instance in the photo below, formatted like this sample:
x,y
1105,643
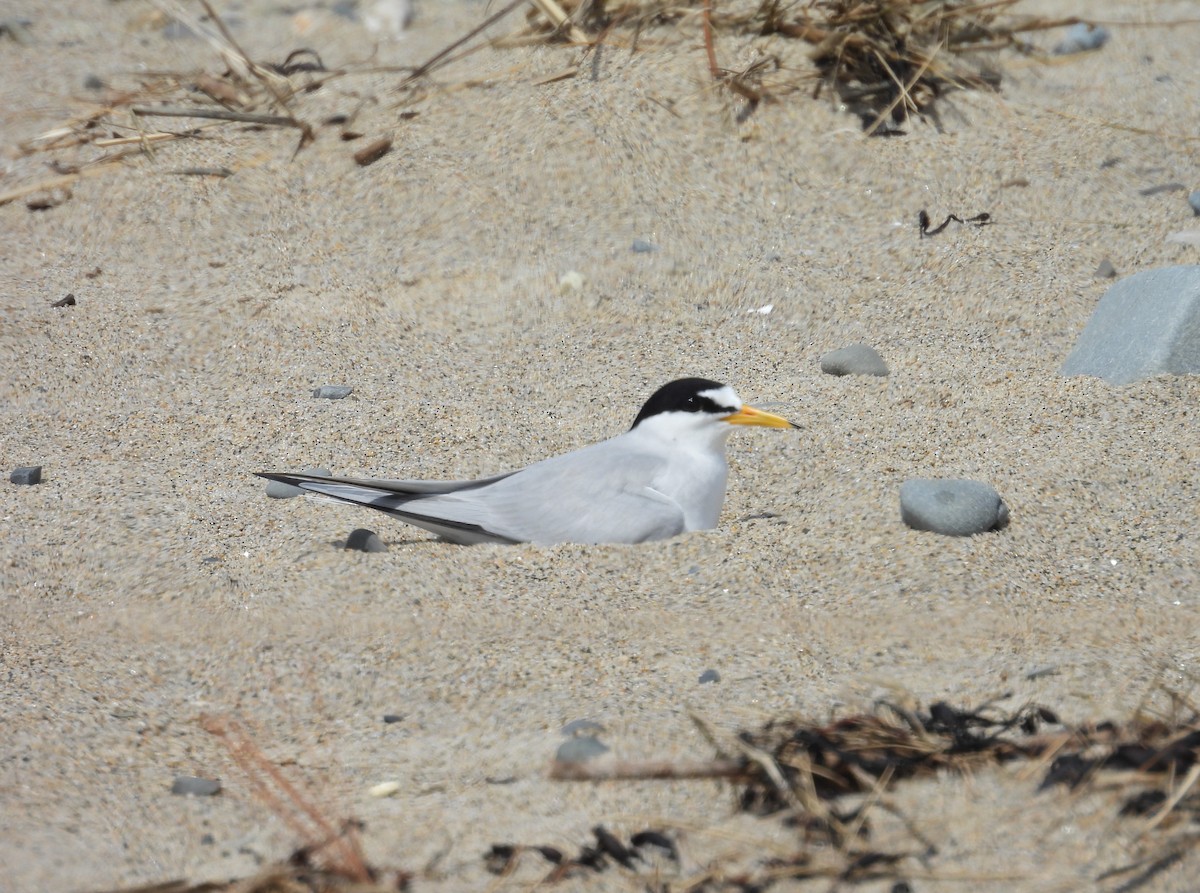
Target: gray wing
x,y
593,495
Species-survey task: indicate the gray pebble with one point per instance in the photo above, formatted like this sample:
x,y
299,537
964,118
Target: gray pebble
x,y
93,82
1194,201
1106,270
363,540
582,727
1081,38
392,718
191,785
857,359
26,474
709,676
280,490
641,246
333,392
952,507
1146,324
580,750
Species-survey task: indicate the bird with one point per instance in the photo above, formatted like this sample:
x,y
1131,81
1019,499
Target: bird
x,y
665,476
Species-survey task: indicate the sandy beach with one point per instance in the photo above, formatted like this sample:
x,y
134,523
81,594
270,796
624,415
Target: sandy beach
x,y
148,583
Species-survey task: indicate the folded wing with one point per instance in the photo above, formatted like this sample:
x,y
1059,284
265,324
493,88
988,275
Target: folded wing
x,y
588,496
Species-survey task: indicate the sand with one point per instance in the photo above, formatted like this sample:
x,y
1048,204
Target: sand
x,y
149,583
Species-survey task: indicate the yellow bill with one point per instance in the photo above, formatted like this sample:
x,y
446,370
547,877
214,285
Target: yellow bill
x,y
748,415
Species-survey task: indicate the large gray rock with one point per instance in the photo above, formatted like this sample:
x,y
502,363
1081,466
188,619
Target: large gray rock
x,y
1146,324
952,507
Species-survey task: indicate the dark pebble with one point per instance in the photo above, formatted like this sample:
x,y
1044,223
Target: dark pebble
x,y
709,676
191,785
363,540
26,474
1106,270
390,718
333,392
68,301
92,82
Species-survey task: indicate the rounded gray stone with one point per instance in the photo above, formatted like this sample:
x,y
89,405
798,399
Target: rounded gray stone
x,y
333,392
857,359
1194,201
952,507
27,475
191,785
580,749
1146,324
363,540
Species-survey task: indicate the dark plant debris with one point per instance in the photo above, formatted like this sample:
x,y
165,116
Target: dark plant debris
x,y
923,222
503,858
883,60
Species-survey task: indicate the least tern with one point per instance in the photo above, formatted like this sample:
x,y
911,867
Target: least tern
x,y
664,476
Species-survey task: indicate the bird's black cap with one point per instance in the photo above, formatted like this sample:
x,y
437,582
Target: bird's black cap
x,y
684,395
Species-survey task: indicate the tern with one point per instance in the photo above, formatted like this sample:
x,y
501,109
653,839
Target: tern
x,y
664,476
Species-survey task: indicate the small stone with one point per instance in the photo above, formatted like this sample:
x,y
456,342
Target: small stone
x,y
193,786
280,490
952,507
1194,201
27,475
391,718
709,676
1106,270
857,359
582,727
1082,38
68,301
332,392
384,789
363,540
580,750
1146,324
641,246
93,82
572,280
177,30
388,18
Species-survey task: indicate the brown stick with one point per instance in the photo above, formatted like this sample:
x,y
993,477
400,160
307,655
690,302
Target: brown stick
x,y
428,66
713,68
221,115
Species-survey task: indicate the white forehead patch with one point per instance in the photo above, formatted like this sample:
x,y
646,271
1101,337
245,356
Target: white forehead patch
x,y
725,397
